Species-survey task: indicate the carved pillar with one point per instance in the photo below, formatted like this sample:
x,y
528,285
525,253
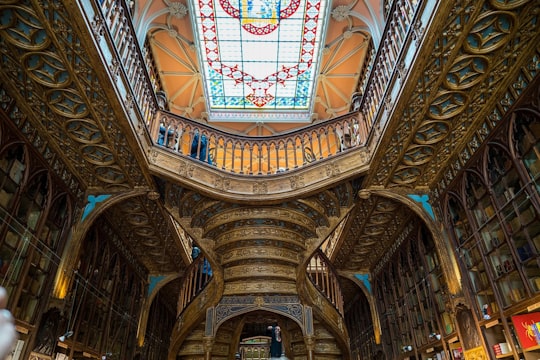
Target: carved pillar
x,y
208,343
310,346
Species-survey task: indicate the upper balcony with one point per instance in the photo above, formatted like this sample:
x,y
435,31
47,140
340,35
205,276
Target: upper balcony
x,y
258,155
347,140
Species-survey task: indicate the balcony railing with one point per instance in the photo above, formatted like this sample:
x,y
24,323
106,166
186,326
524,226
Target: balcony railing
x,y
259,155
324,277
117,20
393,45
198,274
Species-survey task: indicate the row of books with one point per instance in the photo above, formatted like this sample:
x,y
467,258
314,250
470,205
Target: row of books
x,y
501,348
536,330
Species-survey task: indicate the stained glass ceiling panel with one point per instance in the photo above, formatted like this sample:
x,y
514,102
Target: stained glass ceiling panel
x,y
260,57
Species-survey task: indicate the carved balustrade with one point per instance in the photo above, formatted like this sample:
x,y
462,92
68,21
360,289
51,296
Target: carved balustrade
x,y
324,277
259,155
198,274
118,21
392,48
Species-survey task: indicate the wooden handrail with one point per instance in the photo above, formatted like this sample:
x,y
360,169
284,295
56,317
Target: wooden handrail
x,y
384,63
117,19
247,155
324,277
198,274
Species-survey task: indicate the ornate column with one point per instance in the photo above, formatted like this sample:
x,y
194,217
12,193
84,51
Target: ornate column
x,y
208,343
310,346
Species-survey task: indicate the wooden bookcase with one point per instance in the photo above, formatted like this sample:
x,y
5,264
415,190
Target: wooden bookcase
x,y
493,212
410,293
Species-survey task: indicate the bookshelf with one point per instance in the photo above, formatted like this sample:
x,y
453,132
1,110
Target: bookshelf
x,y
500,344
479,200
29,242
493,214
527,133
11,174
12,235
411,298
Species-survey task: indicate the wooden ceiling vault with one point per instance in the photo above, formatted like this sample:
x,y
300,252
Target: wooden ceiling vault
x,y
474,60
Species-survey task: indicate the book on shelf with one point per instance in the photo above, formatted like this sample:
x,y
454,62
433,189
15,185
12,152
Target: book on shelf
x,y
505,348
5,197
16,171
536,282
524,252
528,215
536,331
515,224
516,294
480,216
533,165
501,348
509,194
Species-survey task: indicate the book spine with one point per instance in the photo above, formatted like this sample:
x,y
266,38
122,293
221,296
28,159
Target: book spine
x,y
536,331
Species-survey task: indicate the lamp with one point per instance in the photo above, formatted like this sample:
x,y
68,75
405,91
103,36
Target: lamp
x,y
435,336
106,356
407,348
68,334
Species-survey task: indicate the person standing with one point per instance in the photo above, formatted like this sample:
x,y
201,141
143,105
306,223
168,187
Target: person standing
x,y
275,344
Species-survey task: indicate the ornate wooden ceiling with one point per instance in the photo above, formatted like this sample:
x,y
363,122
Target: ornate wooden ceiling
x,y
67,110
476,60
259,246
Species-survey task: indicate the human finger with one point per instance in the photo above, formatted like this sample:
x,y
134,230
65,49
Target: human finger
x,y
7,332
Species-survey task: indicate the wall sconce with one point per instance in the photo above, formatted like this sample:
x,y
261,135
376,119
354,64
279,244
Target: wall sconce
x,y
435,336
407,348
106,356
67,335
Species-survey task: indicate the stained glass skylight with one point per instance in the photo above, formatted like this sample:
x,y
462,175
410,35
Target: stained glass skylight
x,y
259,57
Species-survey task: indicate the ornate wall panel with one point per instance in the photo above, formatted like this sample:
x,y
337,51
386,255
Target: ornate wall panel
x,y
477,54
47,64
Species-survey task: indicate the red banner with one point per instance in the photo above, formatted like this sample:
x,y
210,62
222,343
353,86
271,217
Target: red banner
x,y
527,329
